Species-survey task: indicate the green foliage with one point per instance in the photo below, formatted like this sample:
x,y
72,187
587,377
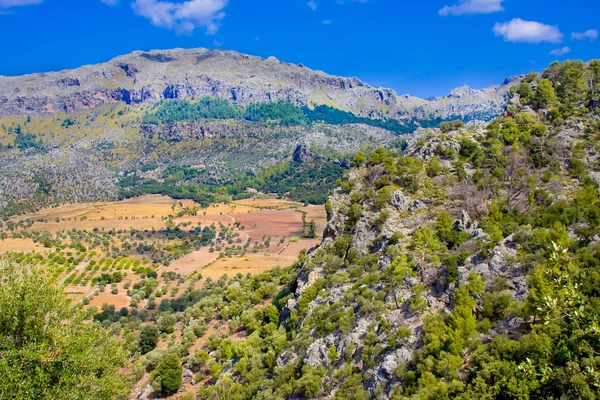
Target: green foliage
x,y
564,88
434,167
48,349
334,116
24,141
449,126
545,95
149,336
446,233
171,111
280,112
166,378
308,182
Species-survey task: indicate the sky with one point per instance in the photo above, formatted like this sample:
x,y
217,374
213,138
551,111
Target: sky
x,y
423,48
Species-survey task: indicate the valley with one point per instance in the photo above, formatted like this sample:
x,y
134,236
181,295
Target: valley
x,y
99,251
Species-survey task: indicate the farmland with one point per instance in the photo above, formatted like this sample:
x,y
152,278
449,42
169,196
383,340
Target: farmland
x,y
129,253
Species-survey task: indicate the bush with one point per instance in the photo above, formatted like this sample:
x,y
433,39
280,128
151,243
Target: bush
x,y
576,167
434,167
166,378
449,126
148,338
165,323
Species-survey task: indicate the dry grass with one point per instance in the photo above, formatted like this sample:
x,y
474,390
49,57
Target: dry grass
x,y
258,218
20,245
134,213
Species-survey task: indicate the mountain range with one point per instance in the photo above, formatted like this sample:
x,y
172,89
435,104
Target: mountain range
x,y
148,77
457,260
98,132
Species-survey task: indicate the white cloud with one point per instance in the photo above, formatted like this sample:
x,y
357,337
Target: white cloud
x,y
522,31
560,52
473,7
183,17
110,2
218,43
16,3
591,34
326,22
312,4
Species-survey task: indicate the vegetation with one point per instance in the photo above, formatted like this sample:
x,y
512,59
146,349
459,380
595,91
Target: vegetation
x,y
49,350
281,112
171,111
470,273
309,182
564,89
166,378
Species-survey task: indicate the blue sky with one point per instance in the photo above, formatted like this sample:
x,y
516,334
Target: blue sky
x,y
424,47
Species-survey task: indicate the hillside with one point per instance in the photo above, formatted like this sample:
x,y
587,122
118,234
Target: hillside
x,y
466,268
462,263
114,130
147,77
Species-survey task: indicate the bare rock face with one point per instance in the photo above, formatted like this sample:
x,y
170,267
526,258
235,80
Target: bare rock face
x,y
147,77
500,265
302,154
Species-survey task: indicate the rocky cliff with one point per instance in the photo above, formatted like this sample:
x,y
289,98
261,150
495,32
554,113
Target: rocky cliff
x,y
147,77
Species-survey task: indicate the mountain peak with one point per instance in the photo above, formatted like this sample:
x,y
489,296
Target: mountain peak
x,y
463,91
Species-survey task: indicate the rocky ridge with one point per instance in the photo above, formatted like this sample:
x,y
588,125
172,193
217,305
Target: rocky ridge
x,y
147,77
364,231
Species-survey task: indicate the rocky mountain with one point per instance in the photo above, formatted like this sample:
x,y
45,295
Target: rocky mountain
x,y
147,77
94,132
465,268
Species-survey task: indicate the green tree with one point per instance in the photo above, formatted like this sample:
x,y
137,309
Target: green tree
x,y
312,229
450,126
148,338
49,350
425,243
595,78
359,159
166,378
434,167
545,95
525,92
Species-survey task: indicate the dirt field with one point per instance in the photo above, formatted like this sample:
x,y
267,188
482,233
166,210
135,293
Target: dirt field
x,y
277,224
257,224
192,262
140,213
20,245
255,219
255,264
118,301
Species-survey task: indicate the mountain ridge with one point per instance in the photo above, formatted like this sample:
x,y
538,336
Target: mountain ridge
x,y
147,77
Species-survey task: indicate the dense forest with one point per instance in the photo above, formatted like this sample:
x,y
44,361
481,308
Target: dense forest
x,y
280,112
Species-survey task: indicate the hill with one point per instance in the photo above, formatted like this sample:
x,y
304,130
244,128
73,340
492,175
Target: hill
x,y
465,266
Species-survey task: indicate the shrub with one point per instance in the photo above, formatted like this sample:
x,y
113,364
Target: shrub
x,y
166,378
148,338
449,126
